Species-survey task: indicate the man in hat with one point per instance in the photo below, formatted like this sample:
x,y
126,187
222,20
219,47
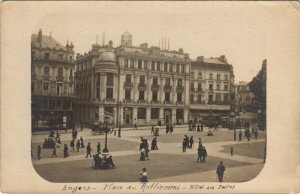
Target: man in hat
x,y
220,171
88,150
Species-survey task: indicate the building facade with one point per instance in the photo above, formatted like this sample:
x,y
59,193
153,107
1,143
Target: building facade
x,y
52,82
211,88
132,84
245,101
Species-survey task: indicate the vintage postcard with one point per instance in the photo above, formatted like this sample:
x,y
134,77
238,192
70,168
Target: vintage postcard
x,y
150,97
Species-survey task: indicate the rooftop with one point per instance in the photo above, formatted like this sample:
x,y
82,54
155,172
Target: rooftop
x,y
47,42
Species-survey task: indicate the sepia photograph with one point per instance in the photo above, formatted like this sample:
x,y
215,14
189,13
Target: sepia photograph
x,y
150,97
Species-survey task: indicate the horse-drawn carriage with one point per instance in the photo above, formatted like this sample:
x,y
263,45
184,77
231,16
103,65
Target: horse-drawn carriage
x,y
100,128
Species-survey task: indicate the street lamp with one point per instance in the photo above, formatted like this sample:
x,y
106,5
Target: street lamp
x,y
105,150
231,116
119,123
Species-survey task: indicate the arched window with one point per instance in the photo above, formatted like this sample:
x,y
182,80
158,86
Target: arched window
x,y
46,70
60,72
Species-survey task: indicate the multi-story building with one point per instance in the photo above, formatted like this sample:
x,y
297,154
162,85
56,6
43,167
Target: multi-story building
x,y
52,82
133,84
244,97
212,88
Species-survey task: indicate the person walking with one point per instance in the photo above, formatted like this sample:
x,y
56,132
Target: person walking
x,y
152,130
88,150
240,136
81,143
66,151
191,142
199,159
198,128
234,135
143,176
204,154
248,134
202,127
200,143
171,128
72,144
184,145
78,145
135,125
154,144
220,171
39,152
255,134
98,148
54,152
167,128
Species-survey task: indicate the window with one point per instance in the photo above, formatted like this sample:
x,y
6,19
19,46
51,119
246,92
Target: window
x,y
60,57
179,97
127,94
218,97
59,89
46,70
141,95
60,72
192,97
199,87
155,81
182,68
218,87
47,56
170,67
98,93
226,77
158,66
131,63
154,96
58,103
96,115
142,79
210,98
141,114
45,87
33,70
51,104
66,104
168,81
110,78
140,64
128,78
226,87
179,82
145,64
177,68
210,76
109,93
71,72
199,98
153,65
218,76
226,99
126,63
210,87
167,96
166,67
192,86
200,75
154,113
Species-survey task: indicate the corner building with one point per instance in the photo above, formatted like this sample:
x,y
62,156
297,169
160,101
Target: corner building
x,y
52,82
212,88
132,84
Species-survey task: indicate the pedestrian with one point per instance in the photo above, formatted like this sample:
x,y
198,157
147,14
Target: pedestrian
x,y
54,152
78,145
184,145
72,144
39,152
199,159
81,143
171,128
57,134
88,150
194,126
204,154
66,152
202,127
167,128
75,134
200,143
220,171
152,130
256,134
240,135
147,153
198,128
142,157
143,176
234,135
231,151
191,142
247,133
154,144
135,125
98,148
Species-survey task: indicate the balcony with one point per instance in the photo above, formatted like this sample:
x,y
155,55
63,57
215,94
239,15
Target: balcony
x,y
180,89
168,88
219,102
180,103
197,101
52,94
60,78
155,87
46,77
142,86
110,100
142,101
109,83
167,102
128,101
155,102
128,84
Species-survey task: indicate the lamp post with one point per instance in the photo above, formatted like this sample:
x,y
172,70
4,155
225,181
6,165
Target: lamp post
x,y
105,150
231,116
119,120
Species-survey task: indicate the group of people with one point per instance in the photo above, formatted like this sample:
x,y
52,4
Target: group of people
x,y
187,143
155,131
202,153
169,128
144,149
247,134
193,126
103,162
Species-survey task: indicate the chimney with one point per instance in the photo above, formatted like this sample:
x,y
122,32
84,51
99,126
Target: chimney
x,y
40,34
223,59
200,58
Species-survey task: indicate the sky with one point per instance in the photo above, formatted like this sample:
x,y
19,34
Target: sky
x,y
208,29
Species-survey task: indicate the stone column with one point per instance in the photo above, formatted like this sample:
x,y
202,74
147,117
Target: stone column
x,y
102,86
161,115
135,88
134,114
186,115
186,98
148,93
173,115
148,115
101,113
161,89
174,93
